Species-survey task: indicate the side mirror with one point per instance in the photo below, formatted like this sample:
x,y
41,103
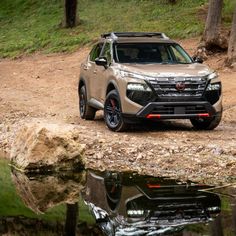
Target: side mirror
x,y
101,61
197,59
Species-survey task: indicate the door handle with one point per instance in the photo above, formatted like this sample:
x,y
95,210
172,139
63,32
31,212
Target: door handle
x,y
95,71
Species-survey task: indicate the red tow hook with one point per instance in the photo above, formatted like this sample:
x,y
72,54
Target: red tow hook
x,y
204,115
153,185
150,116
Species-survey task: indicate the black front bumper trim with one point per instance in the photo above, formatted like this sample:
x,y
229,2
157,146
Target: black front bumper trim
x,y
177,110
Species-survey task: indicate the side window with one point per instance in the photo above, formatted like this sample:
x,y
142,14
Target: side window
x,y
95,52
107,52
180,57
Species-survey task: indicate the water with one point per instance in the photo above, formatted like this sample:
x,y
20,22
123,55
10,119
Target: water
x,y
111,203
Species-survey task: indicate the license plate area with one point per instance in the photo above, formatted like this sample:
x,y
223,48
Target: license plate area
x,y
179,110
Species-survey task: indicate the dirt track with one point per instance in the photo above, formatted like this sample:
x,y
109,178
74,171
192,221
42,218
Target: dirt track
x,y
45,87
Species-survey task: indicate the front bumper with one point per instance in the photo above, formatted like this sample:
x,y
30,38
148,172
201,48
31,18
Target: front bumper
x,y
177,110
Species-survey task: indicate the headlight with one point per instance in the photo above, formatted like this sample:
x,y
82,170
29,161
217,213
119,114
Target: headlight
x,y
139,93
213,75
131,75
138,87
134,75
214,86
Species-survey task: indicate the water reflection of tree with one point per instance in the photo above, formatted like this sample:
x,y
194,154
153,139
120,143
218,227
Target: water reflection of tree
x,y
216,227
233,204
71,219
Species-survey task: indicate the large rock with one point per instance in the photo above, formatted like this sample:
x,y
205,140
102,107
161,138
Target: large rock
x,y
42,192
43,147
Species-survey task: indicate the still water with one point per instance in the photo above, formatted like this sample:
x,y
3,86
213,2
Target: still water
x,y
111,203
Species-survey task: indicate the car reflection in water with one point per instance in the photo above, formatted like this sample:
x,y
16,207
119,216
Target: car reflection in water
x,y
130,204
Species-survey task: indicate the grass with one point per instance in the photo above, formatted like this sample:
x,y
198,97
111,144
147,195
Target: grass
x,y
12,205
27,26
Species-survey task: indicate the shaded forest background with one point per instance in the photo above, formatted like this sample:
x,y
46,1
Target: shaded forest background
x,y
27,26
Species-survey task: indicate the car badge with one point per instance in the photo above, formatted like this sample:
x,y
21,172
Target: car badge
x,y
180,86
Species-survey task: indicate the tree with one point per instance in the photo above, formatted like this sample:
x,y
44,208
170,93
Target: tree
x,y
172,1
231,58
70,13
71,219
216,226
212,39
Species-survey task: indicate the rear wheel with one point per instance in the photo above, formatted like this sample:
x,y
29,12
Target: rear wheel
x,y
207,123
86,112
112,112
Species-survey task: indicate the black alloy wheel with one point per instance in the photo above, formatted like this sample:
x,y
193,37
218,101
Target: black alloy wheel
x,y
207,123
112,112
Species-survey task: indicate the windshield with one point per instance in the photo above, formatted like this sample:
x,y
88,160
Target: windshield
x,y
162,53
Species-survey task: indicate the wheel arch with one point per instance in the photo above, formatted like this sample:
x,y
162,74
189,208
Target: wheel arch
x,y
81,83
111,86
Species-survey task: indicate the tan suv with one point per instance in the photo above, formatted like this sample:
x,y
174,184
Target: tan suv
x,y
137,76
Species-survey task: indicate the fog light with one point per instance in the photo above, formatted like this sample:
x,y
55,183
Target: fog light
x,y
215,86
135,212
213,209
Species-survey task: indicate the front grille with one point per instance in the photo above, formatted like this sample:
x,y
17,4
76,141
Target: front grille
x,y
171,211
180,211
166,87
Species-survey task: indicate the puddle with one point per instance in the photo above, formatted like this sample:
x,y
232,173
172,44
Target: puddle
x,y
111,203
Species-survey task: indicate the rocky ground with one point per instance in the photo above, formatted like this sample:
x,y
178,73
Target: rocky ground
x,y
45,87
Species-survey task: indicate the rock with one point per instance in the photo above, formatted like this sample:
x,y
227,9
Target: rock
x,y
43,147
41,193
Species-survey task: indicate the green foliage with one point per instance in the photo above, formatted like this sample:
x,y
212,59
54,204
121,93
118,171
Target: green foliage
x,y
12,205
228,10
27,26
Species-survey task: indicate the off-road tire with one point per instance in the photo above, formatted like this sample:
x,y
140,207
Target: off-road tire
x,y
86,112
113,113
207,123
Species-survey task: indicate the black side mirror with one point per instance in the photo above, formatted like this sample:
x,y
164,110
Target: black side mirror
x,y
101,61
197,59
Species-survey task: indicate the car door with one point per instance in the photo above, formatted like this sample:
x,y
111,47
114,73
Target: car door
x,y
89,69
101,73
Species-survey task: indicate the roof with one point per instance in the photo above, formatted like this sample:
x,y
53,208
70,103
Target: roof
x,y
131,37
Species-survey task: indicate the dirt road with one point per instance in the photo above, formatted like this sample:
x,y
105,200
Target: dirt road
x,y
45,86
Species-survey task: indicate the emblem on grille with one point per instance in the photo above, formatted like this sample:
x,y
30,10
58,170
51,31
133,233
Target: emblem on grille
x,y
180,86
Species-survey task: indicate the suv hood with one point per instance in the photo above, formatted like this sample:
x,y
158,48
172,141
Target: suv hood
x,y
167,70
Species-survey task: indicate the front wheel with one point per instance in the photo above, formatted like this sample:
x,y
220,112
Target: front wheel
x,y
207,123
112,112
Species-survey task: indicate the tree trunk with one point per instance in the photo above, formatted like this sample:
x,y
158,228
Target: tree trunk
x,y
212,40
216,227
234,215
231,59
172,1
71,219
70,10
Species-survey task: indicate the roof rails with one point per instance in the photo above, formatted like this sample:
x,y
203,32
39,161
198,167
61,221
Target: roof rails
x,y
116,35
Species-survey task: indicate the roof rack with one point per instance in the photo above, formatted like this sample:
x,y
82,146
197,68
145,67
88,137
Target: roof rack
x,y
116,35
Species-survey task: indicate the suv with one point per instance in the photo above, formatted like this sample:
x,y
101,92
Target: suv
x,y
136,76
